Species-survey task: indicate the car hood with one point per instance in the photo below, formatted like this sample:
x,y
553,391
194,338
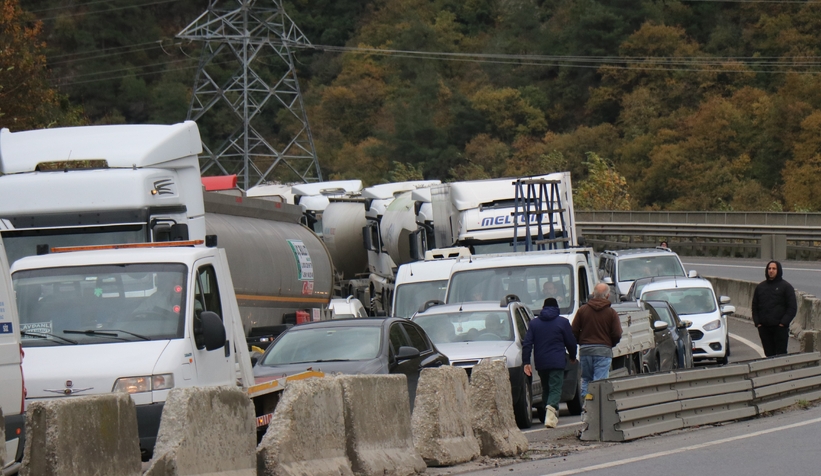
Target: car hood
x,y
264,373
90,369
474,350
699,320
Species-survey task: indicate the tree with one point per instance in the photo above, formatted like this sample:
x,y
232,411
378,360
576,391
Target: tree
x,y
27,101
604,188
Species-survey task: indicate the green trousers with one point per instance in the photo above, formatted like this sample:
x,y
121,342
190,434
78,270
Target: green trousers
x,y
552,381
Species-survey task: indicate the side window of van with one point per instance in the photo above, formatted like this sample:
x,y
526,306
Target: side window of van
x,y
584,290
207,295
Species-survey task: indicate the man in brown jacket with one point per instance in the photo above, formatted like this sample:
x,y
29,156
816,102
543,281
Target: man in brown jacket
x,y
597,329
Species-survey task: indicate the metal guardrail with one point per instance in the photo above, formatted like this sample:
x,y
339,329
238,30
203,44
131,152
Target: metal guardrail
x,y
632,407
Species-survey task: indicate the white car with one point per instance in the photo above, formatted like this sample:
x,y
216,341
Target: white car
x,y
621,267
694,300
346,308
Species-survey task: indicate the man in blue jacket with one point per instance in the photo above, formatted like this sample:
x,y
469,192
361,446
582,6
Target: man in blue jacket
x,y
550,338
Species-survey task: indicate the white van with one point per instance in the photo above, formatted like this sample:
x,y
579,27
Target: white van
x,y
12,395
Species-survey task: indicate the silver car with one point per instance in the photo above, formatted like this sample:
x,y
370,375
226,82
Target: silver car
x,y
468,333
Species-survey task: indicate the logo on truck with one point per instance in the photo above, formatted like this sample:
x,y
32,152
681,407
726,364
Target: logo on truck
x,y
163,187
503,220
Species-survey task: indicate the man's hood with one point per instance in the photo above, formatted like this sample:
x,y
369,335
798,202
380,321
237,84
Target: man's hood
x,y
778,275
599,303
549,313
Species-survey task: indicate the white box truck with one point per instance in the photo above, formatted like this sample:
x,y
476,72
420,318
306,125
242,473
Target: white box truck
x,y
12,389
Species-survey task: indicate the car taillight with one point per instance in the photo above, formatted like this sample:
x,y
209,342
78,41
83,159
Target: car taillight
x,y
23,381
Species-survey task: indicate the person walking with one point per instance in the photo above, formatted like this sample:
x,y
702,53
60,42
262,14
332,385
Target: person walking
x,y
550,338
774,307
597,329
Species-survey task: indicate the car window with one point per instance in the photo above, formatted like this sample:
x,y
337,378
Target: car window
x,y
466,326
664,314
324,344
635,268
416,338
685,300
398,337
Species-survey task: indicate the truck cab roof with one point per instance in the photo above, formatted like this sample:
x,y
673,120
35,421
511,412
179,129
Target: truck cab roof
x,y
185,255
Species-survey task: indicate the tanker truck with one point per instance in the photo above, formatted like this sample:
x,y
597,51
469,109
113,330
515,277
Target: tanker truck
x,y
102,185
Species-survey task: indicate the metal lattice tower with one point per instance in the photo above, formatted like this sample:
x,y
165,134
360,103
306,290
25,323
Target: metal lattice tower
x,y
246,83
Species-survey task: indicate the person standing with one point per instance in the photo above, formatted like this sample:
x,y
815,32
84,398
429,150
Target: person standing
x,y
550,338
597,329
774,307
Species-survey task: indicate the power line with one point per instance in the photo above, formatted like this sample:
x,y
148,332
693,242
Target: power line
x,y
95,12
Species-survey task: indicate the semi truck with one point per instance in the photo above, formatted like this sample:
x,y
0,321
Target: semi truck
x,y
101,185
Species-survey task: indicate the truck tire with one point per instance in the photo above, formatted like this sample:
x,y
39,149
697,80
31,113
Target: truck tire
x,y
522,408
574,406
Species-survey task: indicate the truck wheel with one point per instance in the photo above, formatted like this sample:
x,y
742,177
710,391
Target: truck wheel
x,y
522,409
574,406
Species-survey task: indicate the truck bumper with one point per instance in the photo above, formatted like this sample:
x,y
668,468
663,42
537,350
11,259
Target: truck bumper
x,y
16,429
148,425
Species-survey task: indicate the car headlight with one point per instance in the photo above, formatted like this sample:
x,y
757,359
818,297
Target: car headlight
x,y
712,325
145,383
498,358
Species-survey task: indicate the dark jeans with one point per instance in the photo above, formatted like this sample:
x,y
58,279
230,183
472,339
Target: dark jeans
x,y
552,381
774,339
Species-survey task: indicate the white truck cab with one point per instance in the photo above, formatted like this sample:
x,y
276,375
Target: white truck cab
x,y
141,321
12,391
422,281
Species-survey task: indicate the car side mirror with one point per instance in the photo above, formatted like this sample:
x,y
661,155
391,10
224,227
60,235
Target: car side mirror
x,y
692,273
211,331
686,324
659,326
725,310
724,299
607,280
407,352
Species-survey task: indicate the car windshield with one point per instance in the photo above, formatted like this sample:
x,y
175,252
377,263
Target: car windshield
x,y
467,326
97,304
324,344
532,284
685,300
635,268
410,296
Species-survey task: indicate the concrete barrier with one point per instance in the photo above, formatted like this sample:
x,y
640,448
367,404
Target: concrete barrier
x,y
82,436
491,406
806,325
377,425
205,430
307,432
442,429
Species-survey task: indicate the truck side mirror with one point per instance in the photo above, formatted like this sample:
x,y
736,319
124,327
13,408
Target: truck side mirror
x,y
211,331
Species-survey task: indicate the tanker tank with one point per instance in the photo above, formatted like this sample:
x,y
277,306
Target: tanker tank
x,y
278,266
342,224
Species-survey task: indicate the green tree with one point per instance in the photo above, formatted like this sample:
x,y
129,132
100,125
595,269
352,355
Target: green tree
x,y
604,188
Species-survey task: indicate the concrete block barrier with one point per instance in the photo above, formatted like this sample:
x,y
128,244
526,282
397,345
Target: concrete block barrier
x,y
82,436
441,424
378,426
491,405
205,430
307,432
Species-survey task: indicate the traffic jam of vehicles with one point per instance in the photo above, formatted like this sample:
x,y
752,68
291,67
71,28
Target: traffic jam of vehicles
x,y
126,258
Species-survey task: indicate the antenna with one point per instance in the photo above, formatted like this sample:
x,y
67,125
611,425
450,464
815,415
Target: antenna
x,y
245,80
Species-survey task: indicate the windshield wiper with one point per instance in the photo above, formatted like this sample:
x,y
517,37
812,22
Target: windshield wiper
x,y
47,335
91,332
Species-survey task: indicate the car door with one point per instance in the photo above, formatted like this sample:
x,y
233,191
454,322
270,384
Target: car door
x,y
666,347
214,367
521,317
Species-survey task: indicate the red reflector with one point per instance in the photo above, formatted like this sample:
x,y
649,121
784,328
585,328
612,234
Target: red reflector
x,y
18,431
264,420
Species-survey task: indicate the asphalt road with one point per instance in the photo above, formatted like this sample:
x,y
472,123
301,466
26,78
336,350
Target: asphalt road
x,y
803,275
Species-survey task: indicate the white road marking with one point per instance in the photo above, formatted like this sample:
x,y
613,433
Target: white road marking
x,y
541,427
749,344
699,446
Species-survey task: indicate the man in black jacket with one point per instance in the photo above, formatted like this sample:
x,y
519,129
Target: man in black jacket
x,y
773,309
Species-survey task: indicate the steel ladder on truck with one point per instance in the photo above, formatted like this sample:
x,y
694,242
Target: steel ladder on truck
x,y
537,200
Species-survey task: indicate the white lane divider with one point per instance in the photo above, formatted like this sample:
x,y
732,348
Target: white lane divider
x,y
699,446
749,344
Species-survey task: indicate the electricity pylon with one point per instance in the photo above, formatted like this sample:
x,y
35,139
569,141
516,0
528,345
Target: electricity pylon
x,y
246,96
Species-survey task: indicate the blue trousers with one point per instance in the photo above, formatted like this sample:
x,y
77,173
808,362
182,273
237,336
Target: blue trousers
x,y
594,367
